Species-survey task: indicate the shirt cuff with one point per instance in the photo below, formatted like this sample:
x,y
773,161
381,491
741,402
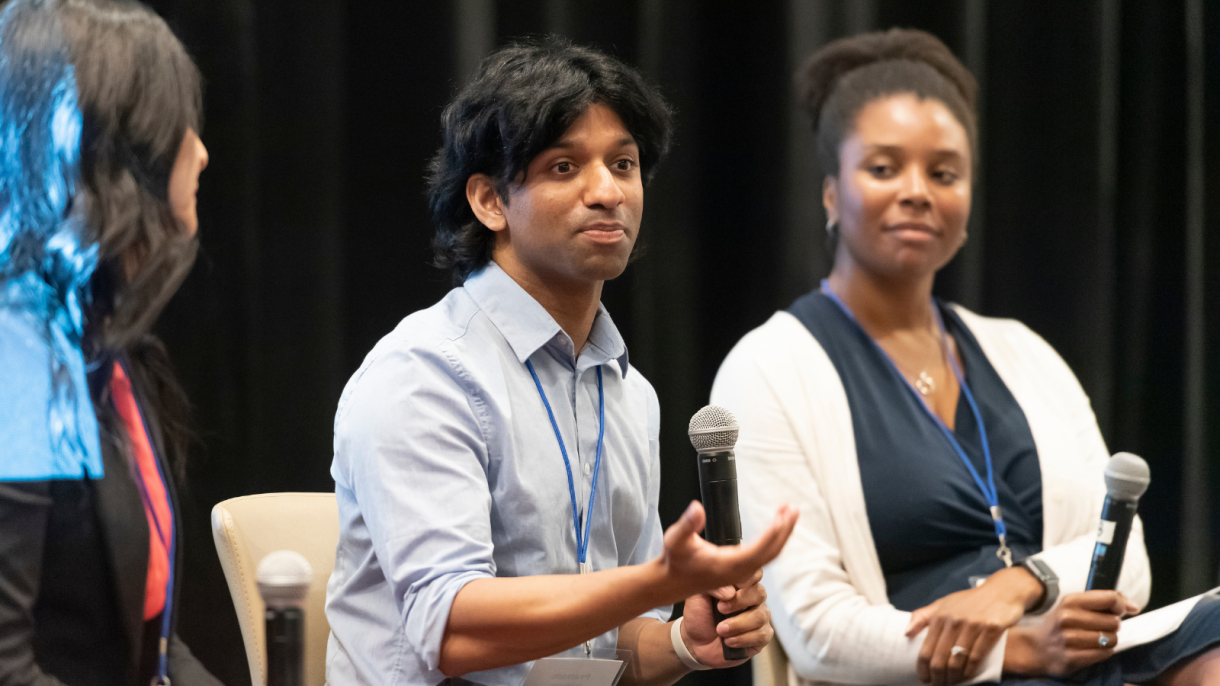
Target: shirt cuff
x,y
426,614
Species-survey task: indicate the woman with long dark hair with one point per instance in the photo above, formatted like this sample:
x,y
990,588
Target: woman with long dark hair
x,y
948,465
99,163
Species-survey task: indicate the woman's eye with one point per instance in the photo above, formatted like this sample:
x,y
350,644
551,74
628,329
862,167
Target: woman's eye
x,y
881,171
945,177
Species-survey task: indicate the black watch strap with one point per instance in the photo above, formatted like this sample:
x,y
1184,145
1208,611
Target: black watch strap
x,y
1049,580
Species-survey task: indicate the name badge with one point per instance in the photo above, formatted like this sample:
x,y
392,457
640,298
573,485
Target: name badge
x,y
575,671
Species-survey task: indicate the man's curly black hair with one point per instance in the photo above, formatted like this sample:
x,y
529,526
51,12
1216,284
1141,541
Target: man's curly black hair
x,y
519,103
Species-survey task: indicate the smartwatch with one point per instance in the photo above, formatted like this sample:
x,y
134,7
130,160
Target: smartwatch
x,y
1045,576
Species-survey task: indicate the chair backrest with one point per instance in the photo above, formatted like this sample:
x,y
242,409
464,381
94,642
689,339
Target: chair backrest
x,y
245,530
770,667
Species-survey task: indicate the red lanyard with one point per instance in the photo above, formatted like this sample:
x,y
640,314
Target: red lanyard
x,y
133,417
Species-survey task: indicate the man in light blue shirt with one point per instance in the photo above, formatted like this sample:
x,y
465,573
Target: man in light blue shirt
x,y
496,459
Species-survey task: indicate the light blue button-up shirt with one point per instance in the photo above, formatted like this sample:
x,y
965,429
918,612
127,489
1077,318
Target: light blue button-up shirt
x,y
447,470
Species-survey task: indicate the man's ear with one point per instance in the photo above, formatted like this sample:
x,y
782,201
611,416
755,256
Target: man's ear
x,y
485,201
830,199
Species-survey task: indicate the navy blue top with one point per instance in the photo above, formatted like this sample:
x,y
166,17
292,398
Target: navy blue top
x,y
929,520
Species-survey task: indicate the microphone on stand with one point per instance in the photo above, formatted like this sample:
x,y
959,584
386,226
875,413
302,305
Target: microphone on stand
x,y
1126,480
283,582
713,432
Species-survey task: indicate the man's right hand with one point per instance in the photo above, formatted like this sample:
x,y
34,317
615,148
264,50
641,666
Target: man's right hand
x,y
691,565
1069,637
500,621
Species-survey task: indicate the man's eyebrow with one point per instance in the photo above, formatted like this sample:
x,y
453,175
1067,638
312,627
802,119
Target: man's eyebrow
x,y
568,144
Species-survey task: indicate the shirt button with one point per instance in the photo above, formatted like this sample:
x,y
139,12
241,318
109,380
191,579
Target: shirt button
x,y
588,469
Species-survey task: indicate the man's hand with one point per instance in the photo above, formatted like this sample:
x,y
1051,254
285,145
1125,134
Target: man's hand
x,y
963,627
750,630
691,565
501,621
1067,639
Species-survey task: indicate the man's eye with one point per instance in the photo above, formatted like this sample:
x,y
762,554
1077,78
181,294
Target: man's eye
x,y
563,167
625,164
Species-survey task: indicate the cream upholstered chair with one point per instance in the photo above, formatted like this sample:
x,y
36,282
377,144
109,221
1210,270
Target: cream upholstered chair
x,y
770,667
245,530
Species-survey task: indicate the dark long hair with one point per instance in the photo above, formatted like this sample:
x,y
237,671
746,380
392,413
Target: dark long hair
x,y
137,92
522,100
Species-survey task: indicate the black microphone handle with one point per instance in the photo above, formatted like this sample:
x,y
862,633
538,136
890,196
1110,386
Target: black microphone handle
x,y
285,646
1108,556
718,488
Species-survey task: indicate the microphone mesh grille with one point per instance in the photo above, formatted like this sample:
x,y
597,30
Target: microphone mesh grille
x,y
284,577
713,428
1127,476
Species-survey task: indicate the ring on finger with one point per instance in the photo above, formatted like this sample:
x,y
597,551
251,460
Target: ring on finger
x,y
958,650
1103,640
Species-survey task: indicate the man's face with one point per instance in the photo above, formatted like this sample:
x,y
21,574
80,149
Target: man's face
x,y
575,213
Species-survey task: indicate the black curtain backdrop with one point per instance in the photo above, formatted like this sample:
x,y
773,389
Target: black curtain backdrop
x,y
1089,222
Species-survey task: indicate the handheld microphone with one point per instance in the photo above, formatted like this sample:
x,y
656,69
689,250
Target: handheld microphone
x,y
713,432
1126,480
283,582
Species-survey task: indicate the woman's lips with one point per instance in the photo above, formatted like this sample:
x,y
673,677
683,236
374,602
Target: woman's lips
x,y
911,231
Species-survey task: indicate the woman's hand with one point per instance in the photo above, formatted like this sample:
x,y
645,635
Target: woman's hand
x,y
750,630
963,627
1070,637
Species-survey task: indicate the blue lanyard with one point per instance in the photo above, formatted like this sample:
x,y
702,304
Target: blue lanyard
x,y
162,677
988,488
582,542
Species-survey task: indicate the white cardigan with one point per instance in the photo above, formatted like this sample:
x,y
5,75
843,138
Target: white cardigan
x,y
828,596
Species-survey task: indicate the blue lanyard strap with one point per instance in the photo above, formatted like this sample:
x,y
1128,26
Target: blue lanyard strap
x,y
988,487
582,541
162,676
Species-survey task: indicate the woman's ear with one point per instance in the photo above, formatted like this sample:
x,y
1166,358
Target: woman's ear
x,y
830,199
485,202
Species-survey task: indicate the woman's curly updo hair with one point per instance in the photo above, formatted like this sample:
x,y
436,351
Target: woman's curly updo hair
x,y
519,103
839,80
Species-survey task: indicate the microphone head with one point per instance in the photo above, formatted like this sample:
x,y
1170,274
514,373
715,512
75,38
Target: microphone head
x,y
713,429
1127,477
284,578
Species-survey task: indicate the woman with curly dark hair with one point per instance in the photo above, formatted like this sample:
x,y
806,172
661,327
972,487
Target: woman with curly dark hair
x,y
99,163
948,465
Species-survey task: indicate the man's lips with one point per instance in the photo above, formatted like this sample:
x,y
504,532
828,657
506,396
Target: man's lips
x,y
605,232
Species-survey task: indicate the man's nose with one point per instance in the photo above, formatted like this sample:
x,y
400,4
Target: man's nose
x,y
603,189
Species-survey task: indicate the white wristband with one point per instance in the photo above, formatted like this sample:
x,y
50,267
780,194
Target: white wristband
x,y
684,654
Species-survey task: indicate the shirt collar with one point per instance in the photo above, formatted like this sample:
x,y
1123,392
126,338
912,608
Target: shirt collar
x,y
528,327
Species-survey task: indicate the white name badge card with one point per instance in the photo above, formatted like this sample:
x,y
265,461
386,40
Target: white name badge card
x,y
604,670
